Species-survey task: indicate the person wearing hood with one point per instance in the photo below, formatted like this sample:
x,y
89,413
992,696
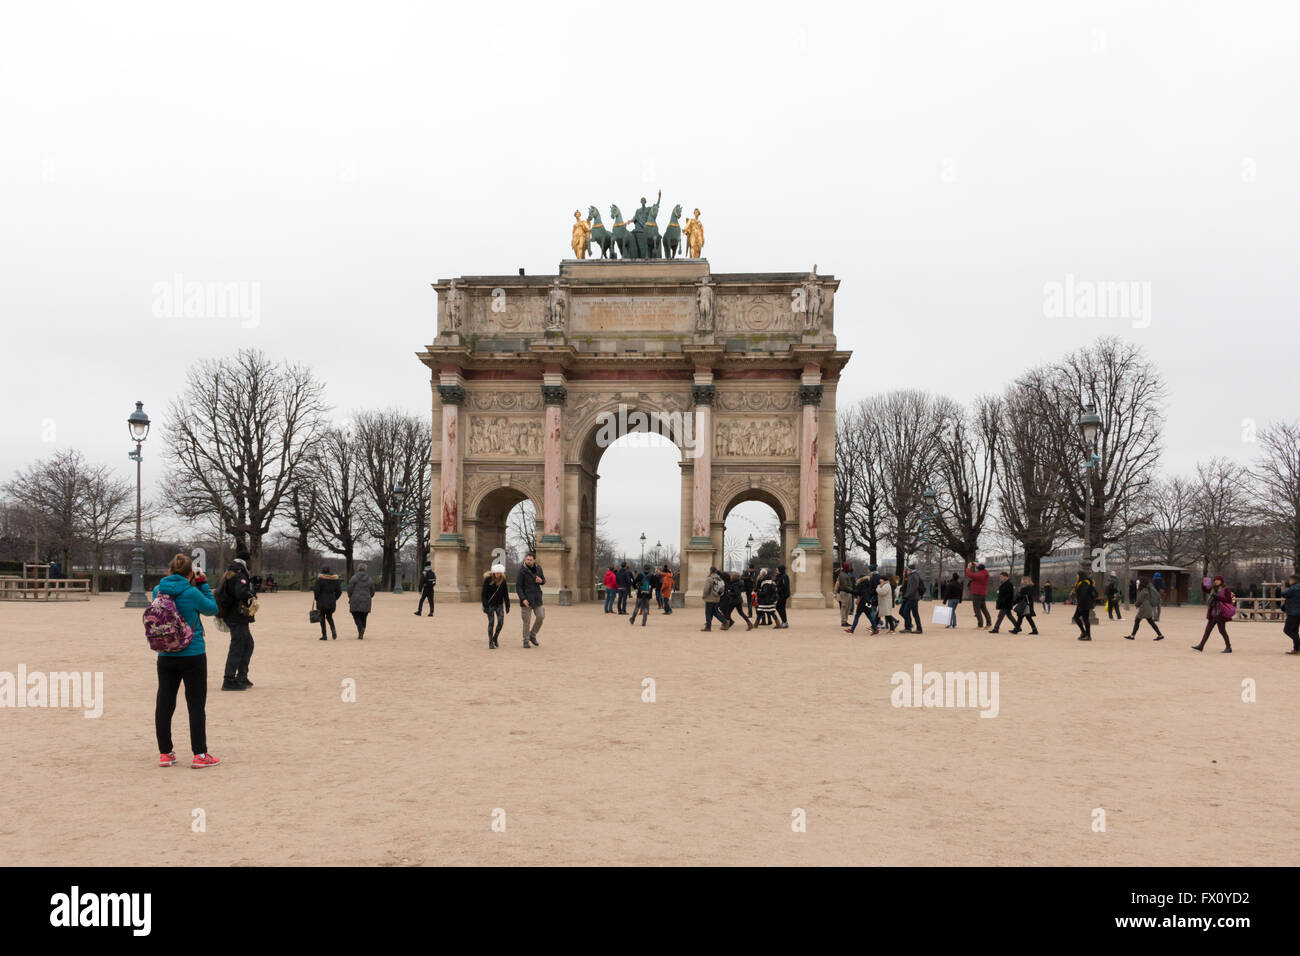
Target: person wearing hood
x,y
496,602
235,607
1220,606
979,590
1085,599
1147,603
361,589
1291,608
428,581
189,591
327,591
1112,598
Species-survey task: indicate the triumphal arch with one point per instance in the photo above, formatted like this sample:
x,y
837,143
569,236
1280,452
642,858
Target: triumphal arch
x,y
533,376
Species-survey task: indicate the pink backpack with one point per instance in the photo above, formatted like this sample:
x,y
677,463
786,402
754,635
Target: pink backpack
x,y
165,628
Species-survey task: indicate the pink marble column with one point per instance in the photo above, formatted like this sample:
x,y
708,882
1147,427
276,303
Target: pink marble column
x,y
553,490
702,487
810,396
452,396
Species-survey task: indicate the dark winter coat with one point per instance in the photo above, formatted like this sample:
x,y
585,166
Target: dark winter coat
x,y
1006,596
1025,600
782,586
360,590
1291,599
527,587
428,580
326,591
234,593
494,595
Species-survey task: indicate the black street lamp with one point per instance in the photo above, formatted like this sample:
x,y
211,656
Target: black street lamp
x,y
138,425
927,515
399,513
643,549
749,550
1089,426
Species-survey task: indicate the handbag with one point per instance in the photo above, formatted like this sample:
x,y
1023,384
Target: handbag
x,y
314,614
942,615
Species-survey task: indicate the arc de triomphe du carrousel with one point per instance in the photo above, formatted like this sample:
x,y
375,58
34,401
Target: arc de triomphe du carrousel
x,y
533,376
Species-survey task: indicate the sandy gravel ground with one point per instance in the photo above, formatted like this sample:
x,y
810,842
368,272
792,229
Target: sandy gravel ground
x,y
745,729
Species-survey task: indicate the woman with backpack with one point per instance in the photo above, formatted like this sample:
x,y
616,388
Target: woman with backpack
x,y
360,590
1221,607
191,597
327,591
496,602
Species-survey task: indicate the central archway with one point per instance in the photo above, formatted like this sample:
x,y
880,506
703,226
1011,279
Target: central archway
x,y
619,432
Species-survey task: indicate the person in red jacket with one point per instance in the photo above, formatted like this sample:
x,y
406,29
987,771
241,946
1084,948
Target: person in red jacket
x,y
1220,606
979,590
611,589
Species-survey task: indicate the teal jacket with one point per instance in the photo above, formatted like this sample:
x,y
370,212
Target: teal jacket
x,y
191,601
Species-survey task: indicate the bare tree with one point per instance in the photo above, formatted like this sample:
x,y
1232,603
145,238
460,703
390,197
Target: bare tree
x,y
1167,538
107,508
53,490
521,527
965,472
420,435
1127,391
1030,495
304,514
907,424
1220,510
1277,486
339,490
859,505
237,439
385,458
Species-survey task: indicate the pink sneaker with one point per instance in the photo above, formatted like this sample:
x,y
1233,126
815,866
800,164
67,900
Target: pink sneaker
x,y
167,760
204,760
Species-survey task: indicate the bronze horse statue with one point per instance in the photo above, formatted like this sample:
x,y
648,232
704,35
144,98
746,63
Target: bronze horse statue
x,y
673,234
599,234
623,237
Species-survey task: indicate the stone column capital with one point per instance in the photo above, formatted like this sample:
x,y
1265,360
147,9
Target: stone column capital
x,y
554,394
703,394
810,394
451,394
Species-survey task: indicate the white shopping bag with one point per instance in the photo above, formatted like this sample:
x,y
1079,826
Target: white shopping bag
x,y
942,615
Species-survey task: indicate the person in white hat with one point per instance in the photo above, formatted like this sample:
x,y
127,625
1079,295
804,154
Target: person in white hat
x,y
496,602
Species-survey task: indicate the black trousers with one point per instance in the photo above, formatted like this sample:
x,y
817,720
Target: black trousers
x,y
911,615
622,600
1292,629
324,617
241,650
780,609
359,617
1137,622
496,617
982,617
423,595
1026,616
641,607
1112,607
172,672
1209,626
1083,618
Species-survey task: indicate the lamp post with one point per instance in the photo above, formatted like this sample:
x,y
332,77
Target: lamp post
x,y
1089,427
927,513
643,549
137,424
399,513
749,550
658,546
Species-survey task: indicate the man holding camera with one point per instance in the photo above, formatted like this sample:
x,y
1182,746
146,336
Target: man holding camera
x,y
235,607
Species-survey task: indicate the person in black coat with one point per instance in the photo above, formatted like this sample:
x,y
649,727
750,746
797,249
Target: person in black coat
x,y
1085,599
1025,606
496,602
428,581
1006,600
644,586
528,589
624,586
735,599
782,594
326,591
235,597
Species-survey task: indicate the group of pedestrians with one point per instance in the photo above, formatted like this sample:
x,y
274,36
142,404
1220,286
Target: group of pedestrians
x,y
759,596
649,583
876,595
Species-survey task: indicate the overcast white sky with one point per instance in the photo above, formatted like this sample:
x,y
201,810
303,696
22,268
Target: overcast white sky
x,y
944,161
